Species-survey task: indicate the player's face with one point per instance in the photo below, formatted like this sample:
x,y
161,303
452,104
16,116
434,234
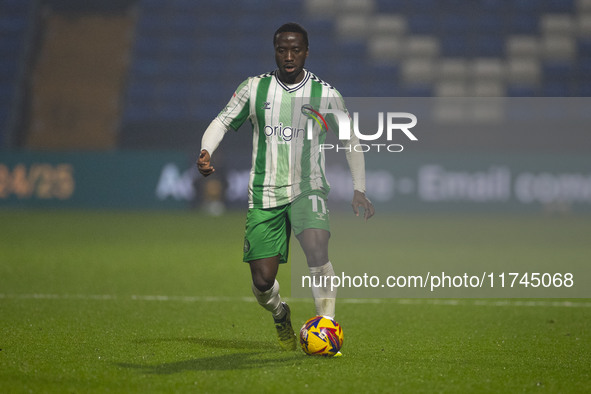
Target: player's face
x,y
290,55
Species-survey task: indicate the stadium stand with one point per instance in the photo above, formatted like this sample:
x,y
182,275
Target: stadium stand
x,y
77,82
15,20
365,47
188,56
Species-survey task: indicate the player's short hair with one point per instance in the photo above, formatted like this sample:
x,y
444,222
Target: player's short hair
x,y
291,27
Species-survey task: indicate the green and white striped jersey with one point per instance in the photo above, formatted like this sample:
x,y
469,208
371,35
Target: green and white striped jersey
x,y
285,162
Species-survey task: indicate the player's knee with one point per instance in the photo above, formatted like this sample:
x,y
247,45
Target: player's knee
x,y
262,282
317,259
314,242
316,253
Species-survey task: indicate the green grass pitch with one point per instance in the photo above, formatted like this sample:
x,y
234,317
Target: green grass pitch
x,y
137,302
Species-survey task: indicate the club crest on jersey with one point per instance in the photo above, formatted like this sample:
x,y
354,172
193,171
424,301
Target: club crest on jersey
x,y
310,112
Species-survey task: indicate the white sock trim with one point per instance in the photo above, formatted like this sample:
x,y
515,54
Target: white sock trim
x,y
270,299
324,297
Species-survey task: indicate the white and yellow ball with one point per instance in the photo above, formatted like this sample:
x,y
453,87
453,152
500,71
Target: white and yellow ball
x,y
321,336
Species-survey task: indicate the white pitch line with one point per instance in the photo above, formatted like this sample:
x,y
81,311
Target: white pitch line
x,y
401,301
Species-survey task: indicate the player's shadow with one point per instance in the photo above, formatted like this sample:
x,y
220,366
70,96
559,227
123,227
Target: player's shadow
x,y
239,344
224,362
259,354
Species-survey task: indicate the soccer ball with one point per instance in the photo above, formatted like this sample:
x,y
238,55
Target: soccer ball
x,y
321,336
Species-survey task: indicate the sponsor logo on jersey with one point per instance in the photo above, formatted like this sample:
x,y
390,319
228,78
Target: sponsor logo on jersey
x,y
284,133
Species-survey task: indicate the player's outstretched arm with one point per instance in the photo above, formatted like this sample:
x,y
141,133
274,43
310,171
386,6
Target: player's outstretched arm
x,y
209,142
203,163
361,201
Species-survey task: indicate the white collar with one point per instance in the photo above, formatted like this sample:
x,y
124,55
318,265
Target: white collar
x,y
293,87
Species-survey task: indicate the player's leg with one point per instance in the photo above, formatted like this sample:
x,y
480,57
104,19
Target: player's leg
x,y
266,245
311,225
264,285
314,243
266,290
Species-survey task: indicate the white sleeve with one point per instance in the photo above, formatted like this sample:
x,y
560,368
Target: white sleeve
x,y
213,136
355,159
356,162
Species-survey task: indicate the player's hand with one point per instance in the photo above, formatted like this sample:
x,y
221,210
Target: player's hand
x,y
359,200
203,164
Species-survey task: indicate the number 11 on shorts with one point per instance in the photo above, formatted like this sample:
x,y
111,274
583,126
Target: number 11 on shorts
x,y
315,200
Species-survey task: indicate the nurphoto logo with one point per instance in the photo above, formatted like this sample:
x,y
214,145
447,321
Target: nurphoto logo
x,y
395,122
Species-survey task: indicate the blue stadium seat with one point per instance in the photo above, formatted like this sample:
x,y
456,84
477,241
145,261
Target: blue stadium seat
x,y
214,46
348,88
246,45
322,49
559,6
384,85
184,7
352,48
147,68
523,23
556,89
10,46
3,122
175,92
418,90
527,5
8,68
455,23
583,69
4,116
212,92
15,23
584,48
348,70
253,6
455,46
135,112
140,91
6,91
583,89
493,23
387,90
180,45
173,111
179,69
153,5
321,68
424,5
321,33
244,29
495,5
215,23
152,25
147,46
239,71
184,24
205,112
521,91
423,23
392,6
209,66
491,45
554,71
14,7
